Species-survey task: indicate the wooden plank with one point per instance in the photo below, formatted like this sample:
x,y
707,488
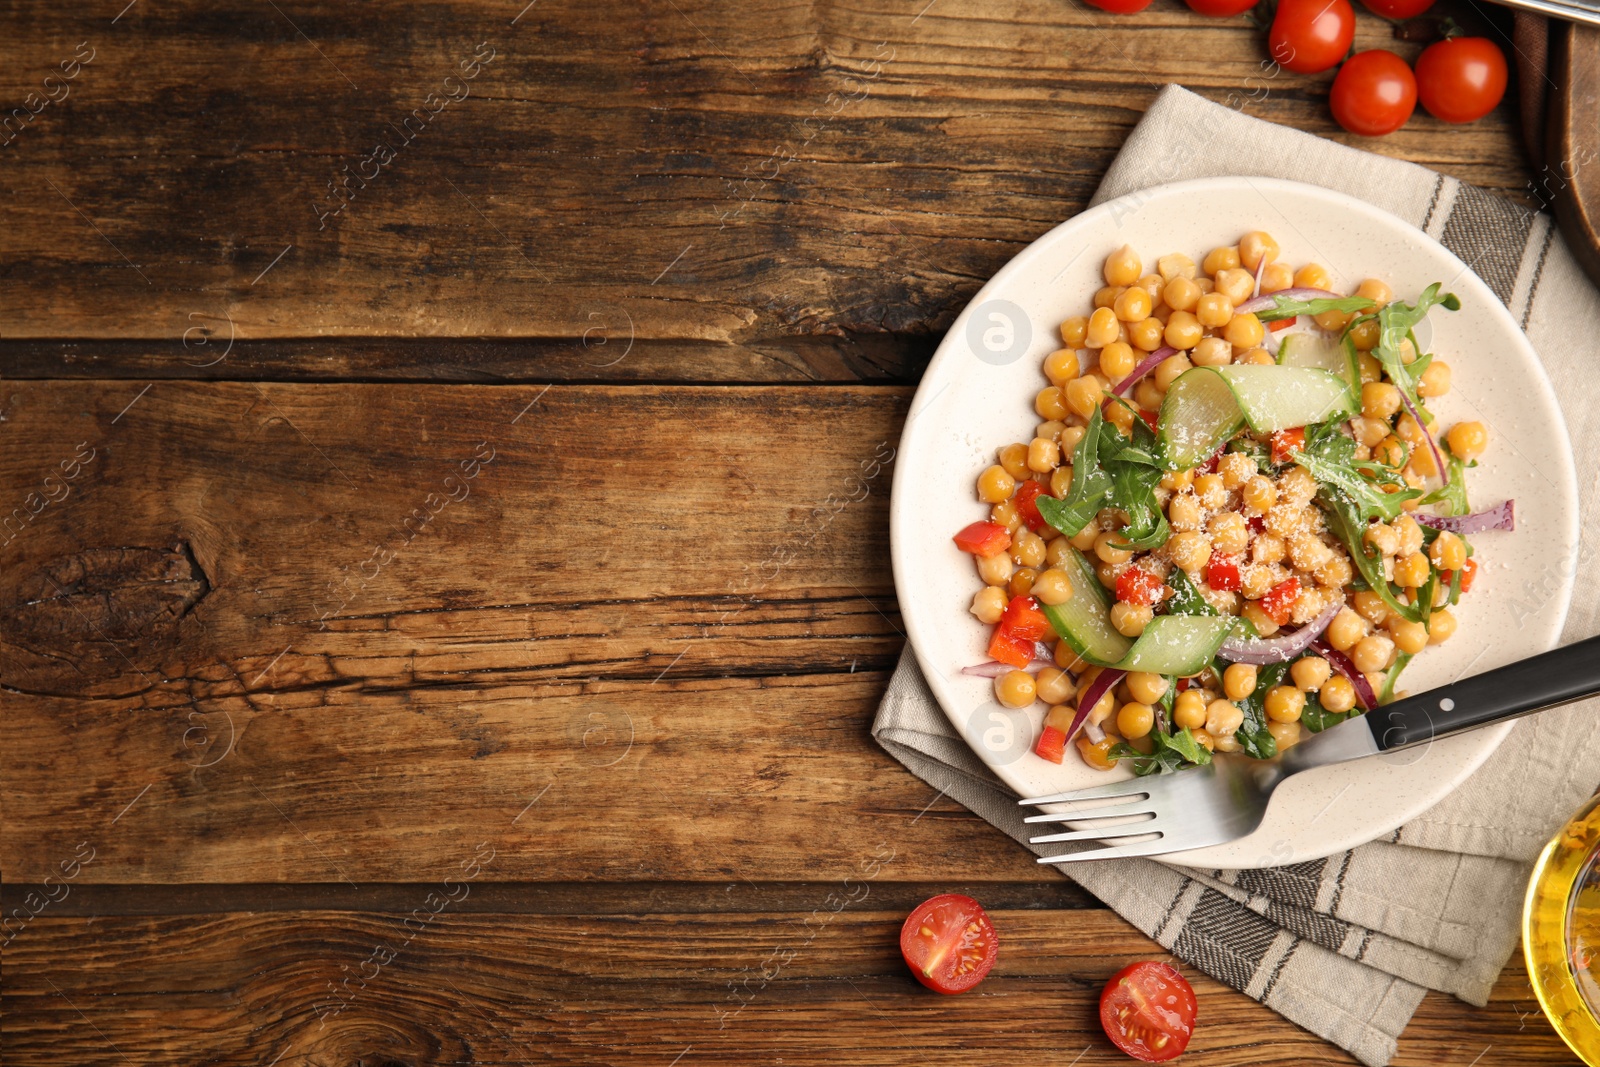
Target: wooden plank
x,y
815,986
823,170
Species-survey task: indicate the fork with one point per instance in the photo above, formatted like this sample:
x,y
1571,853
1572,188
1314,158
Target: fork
x,y
1227,799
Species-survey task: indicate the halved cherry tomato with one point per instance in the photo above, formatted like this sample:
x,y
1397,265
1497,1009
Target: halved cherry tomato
x,y
949,943
1374,93
1052,744
1222,573
1220,8
1461,79
1121,7
1397,9
1148,1010
1287,442
1308,36
1280,599
1138,586
984,539
1027,510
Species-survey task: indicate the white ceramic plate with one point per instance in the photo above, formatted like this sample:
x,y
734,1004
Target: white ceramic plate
x,y
978,395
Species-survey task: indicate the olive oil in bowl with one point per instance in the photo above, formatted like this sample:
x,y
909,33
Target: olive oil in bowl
x,y
1561,932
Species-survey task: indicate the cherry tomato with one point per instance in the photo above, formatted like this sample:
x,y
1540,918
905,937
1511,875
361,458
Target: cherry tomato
x,y
949,943
1397,9
1138,586
1461,79
1287,442
1147,1010
1220,8
1308,36
1280,599
1374,93
1027,510
1120,7
984,539
1222,573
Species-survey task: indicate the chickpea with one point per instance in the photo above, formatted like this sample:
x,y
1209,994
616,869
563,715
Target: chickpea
x,y
1367,431
1005,514
1244,330
1027,549
1467,440
1183,512
1346,629
1083,395
1050,429
1214,309
1211,490
1134,305
1256,246
1441,626
1061,481
1073,331
1183,330
1371,369
1333,321
1336,573
1189,710
1015,689
1147,334
1117,361
1260,494
1049,403
1375,290
1052,587
1130,619
1286,734
1189,550
1259,357
1448,552
1365,334
1268,548
1285,703
995,485
1379,400
1237,284
1212,352
1411,571
1238,681
1338,694
1107,295
1122,266
1145,687
1061,366
1435,381
1069,438
1371,607
1105,546
1277,277
1313,276
996,569
1022,580
1211,744
1102,328
1223,717
1097,754
1230,534
1175,265
1085,538
1120,416
1372,653
1391,452
988,605
1410,637
1067,659
1297,485
1151,284
1147,395
1307,552
1410,534
1057,551
1169,369
1054,686
1181,294
1310,673
1236,468
1265,624
1220,259
1135,720
1178,481
1043,455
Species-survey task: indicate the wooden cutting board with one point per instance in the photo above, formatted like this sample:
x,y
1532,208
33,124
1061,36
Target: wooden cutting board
x,y
1572,146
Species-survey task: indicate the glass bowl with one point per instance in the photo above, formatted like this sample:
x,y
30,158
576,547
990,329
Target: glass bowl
x,y
1561,932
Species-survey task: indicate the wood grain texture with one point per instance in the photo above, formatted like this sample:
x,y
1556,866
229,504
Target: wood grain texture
x,y
1569,178
687,171
822,986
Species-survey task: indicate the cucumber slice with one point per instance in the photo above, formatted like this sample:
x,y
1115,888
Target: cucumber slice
x,y
1321,352
1281,398
1197,416
1178,644
1208,405
1172,644
1084,622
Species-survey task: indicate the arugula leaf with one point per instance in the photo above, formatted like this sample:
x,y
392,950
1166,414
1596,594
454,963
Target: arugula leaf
x,y
1133,490
1285,307
1348,524
1386,694
1112,471
1317,718
1453,493
1254,737
1368,496
1396,321
1185,598
1090,485
1171,752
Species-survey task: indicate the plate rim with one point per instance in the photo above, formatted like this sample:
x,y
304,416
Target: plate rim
x,y
1138,200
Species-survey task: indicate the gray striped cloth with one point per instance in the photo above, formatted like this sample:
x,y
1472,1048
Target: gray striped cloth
x,y
1347,946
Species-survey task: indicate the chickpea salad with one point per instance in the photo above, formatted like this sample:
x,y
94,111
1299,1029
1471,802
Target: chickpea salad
x,y
1219,537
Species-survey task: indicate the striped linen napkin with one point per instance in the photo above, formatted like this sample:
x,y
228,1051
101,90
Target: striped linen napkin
x,y
1347,946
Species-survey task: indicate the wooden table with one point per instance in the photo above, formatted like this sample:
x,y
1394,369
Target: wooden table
x,y
436,626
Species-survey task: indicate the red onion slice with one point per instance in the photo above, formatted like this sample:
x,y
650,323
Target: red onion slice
x,y
1262,303
1278,649
1503,516
1341,663
1438,457
1087,699
1146,365
993,668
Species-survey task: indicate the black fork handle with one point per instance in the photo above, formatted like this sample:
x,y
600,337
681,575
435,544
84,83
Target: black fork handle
x,y
1544,681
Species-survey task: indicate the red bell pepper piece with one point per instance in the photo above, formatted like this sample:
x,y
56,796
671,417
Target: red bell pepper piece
x,y
984,539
